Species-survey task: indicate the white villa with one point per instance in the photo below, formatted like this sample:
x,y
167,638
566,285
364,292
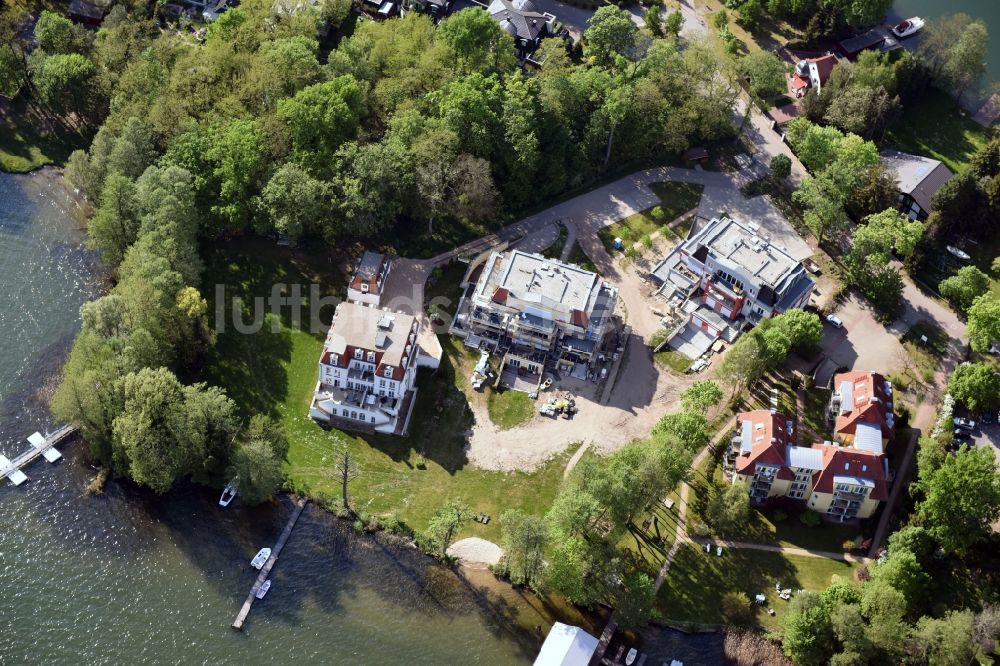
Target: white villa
x,y
368,370
725,275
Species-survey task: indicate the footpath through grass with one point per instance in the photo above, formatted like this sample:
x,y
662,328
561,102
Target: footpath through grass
x,y
275,372
937,127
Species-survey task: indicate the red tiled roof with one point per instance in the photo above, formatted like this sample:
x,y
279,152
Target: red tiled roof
x,y
799,82
842,461
768,439
870,403
825,65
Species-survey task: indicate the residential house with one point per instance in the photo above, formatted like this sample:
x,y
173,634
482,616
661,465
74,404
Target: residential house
x,y
840,482
368,370
861,410
919,180
851,482
438,9
524,23
725,275
812,73
535,312
369,278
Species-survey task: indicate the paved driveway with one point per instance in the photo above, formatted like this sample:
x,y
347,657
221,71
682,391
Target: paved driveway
x,y
863,343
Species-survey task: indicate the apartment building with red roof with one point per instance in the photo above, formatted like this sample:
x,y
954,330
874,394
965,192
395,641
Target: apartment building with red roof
x,y
842,482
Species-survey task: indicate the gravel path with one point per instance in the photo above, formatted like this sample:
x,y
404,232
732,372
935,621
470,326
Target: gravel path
x,y
474,549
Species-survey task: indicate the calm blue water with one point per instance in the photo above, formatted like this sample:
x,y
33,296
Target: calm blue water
x,y
987,10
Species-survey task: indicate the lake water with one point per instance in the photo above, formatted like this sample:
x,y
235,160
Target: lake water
x,y
987,10
129,577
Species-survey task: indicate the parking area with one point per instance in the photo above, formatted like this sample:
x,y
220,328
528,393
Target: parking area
x,y
862,343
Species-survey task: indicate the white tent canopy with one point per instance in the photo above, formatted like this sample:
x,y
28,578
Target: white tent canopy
x,y
566,646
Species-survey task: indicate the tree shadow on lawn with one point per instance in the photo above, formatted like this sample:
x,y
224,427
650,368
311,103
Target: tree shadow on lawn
x,y
440,422
253,366
697,582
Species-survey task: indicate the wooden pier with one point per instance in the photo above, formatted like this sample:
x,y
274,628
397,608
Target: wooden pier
x,y
266,569
12,468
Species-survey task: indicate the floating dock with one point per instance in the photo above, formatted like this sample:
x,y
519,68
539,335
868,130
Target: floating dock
x,y
266,569
41,445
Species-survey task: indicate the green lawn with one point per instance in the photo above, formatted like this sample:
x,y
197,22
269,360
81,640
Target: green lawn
x,y
697,581
924,358
555,250
934,127
409,477
675,200
29,140
674,360
579,257
509,408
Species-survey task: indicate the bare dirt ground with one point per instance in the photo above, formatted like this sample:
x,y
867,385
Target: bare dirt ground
x,y
642,395
474,549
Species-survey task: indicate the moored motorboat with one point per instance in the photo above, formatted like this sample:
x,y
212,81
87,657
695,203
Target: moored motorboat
x,y
258,561
228,493
263,589
908,27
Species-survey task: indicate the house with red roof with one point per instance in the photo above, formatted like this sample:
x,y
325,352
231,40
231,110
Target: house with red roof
x,y
861,410
851,482
840,482
812,73
369,278
368,370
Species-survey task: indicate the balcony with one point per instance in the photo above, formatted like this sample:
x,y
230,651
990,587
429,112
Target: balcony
x,y
359,375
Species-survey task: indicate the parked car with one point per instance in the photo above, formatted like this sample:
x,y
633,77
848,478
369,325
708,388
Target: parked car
x,y
961,435
967,424
834,320
987,418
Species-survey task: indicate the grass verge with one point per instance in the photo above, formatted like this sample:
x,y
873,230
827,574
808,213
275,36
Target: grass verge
x,y
675,200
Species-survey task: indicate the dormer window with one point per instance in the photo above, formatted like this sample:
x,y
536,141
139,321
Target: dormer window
x,y
334,359
371,357
364,287
358,354
388,371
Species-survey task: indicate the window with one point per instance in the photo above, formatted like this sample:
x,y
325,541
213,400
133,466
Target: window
x,y
358,354
387,372
381,382
373,419
371,357
364,287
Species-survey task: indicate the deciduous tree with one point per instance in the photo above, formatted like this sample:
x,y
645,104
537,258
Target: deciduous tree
x,y
976,385
962,499
525,539
965,286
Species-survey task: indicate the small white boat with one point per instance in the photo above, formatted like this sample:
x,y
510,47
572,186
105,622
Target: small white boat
x,y
263,589
908,27
258,561
228,493
961,254
630,657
